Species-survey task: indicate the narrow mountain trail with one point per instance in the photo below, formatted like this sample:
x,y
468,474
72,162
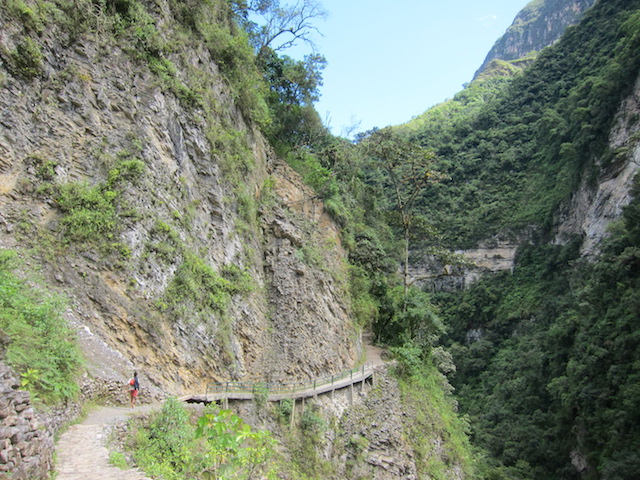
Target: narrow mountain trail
x,y
82,452
373,353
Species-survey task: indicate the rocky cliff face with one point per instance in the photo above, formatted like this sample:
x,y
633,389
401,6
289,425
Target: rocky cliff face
x,y
192,196
490,257
592,209
536,26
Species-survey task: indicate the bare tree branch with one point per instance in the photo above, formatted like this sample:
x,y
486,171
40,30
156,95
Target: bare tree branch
x,y
289,25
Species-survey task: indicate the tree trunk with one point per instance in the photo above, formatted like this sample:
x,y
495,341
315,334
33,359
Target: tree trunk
x,y
405,273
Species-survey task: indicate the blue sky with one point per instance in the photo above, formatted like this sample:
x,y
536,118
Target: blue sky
x,y
389,61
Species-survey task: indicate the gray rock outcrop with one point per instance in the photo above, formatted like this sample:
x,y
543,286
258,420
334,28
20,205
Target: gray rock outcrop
x,y
536,26
26,450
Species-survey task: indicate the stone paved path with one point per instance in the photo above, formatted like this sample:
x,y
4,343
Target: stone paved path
x,y
82,453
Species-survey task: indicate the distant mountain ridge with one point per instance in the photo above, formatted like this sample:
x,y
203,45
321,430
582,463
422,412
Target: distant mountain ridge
x,y
539,24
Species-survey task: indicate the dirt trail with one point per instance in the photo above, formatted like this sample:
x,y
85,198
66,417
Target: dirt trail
x,y
373,353
82,453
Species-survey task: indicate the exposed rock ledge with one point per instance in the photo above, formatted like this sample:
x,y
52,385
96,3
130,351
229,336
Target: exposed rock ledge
x,y
434,276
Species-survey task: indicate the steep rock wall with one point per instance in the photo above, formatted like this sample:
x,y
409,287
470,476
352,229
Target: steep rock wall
x,y
592,209
92,106
432,275
536,26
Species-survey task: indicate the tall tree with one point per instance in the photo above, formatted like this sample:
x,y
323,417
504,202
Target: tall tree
x,y
293,87
409,170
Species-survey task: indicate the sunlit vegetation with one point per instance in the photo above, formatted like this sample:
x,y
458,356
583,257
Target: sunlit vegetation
x,y
515,149
218,444
425,394
41,346
548,375
92,215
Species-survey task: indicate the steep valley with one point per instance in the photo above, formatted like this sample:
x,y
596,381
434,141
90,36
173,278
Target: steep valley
x,y
155,218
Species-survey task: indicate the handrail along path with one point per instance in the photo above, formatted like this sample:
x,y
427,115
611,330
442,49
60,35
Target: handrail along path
x,y
216,391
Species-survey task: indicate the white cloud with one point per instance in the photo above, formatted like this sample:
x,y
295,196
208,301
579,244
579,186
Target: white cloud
x,y
488,20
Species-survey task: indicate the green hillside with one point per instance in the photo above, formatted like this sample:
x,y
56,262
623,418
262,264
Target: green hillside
x,y
551,383
514,150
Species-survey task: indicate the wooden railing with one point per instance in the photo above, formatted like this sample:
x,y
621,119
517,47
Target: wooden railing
x,y
345,378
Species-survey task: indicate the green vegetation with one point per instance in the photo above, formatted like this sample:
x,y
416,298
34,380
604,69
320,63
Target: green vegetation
x,y
90,211
546,355
173,446
556,368
93,214
27,58
31,16
424,394
196,287
42,347
513,150
304,442
117,459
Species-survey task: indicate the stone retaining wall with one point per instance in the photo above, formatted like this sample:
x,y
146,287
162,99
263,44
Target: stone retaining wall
x,y
26,450
26,436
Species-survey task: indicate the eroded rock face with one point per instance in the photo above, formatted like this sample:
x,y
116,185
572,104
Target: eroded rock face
x,y
306,269
536,26
591,210
375,436
490,257
93,107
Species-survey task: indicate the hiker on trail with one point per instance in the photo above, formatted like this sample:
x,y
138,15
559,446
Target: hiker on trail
x,y
134,386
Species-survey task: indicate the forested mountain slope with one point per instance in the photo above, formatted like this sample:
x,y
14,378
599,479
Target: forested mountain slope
x,y
515,149
547,354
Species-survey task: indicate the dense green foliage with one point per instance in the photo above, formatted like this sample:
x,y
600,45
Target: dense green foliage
x,y
42,347
555,370
513,158
547,355
196,287
93,214
293,88
217,444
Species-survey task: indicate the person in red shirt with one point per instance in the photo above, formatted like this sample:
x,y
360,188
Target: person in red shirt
x,y
134,387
